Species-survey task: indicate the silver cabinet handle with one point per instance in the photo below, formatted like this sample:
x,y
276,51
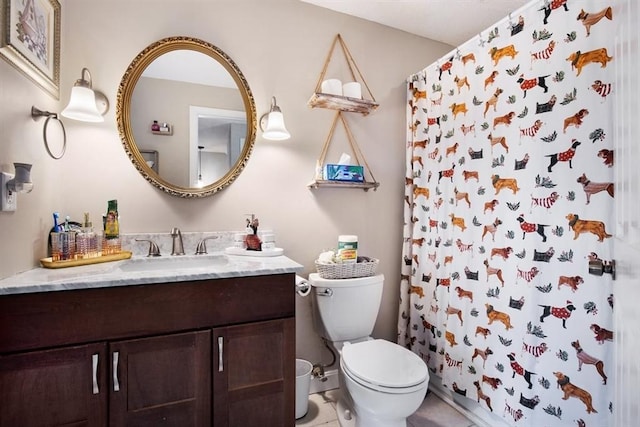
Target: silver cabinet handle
x,y
116,383
220,351
94,363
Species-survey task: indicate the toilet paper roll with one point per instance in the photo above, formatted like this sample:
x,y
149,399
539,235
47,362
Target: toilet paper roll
x,y
303,288
352,90
332,87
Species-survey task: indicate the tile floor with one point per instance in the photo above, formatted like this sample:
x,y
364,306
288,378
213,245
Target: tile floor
x,y
433,412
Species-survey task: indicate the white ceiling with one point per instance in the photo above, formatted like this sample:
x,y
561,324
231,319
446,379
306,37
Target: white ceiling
x,y
448,21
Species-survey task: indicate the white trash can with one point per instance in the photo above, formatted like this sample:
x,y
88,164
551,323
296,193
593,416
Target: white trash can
x,y
303,382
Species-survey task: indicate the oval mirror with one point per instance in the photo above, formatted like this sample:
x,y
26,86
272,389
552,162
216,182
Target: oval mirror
x,y
186,117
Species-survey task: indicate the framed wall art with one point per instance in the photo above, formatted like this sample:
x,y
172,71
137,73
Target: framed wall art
x,y
30,40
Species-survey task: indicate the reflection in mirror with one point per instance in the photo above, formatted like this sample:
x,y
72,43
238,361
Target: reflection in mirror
x,y
221,134
180,94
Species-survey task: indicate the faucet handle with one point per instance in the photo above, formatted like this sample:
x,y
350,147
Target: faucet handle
x,y
177,247
153,248
201,248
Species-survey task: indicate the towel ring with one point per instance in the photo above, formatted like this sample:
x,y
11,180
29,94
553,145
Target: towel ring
x,y
36,114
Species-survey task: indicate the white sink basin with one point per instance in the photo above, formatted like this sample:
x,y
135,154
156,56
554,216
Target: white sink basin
x,y
174,263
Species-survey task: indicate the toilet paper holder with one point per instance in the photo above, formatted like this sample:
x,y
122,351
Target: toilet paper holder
x,y
303,288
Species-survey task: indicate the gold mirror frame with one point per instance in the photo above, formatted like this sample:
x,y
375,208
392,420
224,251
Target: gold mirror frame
x,y
123,113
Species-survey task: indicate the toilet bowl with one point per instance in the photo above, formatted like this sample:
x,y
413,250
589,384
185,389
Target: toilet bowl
x,y
382,383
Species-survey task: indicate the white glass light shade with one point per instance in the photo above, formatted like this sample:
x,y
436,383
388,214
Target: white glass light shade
x,y
82,106
275,130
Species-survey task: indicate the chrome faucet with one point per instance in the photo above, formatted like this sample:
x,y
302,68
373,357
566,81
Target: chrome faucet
x,y
153,248
201,249
177,248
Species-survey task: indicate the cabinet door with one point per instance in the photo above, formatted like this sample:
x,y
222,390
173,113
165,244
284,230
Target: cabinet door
x,y
254,374
164,380
61,387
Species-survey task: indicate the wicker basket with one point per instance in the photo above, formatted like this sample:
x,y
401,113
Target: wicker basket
x,y
347,270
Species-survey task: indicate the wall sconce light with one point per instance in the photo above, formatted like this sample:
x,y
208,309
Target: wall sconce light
x,y
85,104
272,124
10,185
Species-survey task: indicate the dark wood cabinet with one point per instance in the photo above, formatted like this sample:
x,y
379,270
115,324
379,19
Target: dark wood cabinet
x,y
60,387
254,381
163,380
172,354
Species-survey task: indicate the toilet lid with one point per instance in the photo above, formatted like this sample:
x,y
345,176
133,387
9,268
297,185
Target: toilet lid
x,y
384,363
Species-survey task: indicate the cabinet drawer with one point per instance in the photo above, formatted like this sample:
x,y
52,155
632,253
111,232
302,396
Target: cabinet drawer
x,y
48,319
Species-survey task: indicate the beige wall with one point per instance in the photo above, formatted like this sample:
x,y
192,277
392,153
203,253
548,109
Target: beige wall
x,y
280,46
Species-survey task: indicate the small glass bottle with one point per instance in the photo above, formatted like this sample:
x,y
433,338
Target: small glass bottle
x,y
91,239
111,244
155,127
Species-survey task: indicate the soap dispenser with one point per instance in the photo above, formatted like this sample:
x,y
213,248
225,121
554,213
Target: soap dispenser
x,y
87,240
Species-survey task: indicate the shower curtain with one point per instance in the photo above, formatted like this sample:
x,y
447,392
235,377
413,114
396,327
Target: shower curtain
x,y
509,198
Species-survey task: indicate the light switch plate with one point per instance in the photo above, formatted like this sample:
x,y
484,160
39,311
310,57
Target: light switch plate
x,y
8,200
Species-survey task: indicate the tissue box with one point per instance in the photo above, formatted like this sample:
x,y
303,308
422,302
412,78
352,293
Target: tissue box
x,y
343,173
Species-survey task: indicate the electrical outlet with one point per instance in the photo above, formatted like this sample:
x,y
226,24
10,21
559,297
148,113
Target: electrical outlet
x,y
8,200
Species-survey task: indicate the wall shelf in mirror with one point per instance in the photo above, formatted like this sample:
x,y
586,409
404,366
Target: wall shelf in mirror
x,y
166,133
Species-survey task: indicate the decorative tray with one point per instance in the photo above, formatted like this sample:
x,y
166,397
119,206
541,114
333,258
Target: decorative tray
x,y
267,252
49,263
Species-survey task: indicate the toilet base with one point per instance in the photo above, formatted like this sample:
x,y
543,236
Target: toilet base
x,y
348,418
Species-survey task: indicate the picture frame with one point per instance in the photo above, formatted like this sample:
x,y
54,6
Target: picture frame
x,y
30,40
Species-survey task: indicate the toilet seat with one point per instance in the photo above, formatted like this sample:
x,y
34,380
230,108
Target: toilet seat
x,y
384,366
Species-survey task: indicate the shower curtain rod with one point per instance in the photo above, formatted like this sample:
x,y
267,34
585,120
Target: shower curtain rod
x,y
457,49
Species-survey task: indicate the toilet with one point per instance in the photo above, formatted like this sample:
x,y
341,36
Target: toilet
x,y
382,383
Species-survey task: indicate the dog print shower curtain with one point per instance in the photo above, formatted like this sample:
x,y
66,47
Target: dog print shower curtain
x,y
508,202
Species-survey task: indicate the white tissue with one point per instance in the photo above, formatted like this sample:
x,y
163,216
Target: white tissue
x,y
327,257
345,159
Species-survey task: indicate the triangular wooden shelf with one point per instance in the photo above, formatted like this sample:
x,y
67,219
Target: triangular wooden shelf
x,y
319,182
337,102
342,103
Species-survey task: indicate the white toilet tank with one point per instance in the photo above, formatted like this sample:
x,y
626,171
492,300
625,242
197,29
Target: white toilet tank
x,y
347,308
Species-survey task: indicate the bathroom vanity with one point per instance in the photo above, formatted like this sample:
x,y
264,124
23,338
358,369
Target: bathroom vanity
x,y
107,345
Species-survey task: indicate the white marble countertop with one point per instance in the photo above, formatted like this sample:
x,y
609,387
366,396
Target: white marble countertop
x,y
130,272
